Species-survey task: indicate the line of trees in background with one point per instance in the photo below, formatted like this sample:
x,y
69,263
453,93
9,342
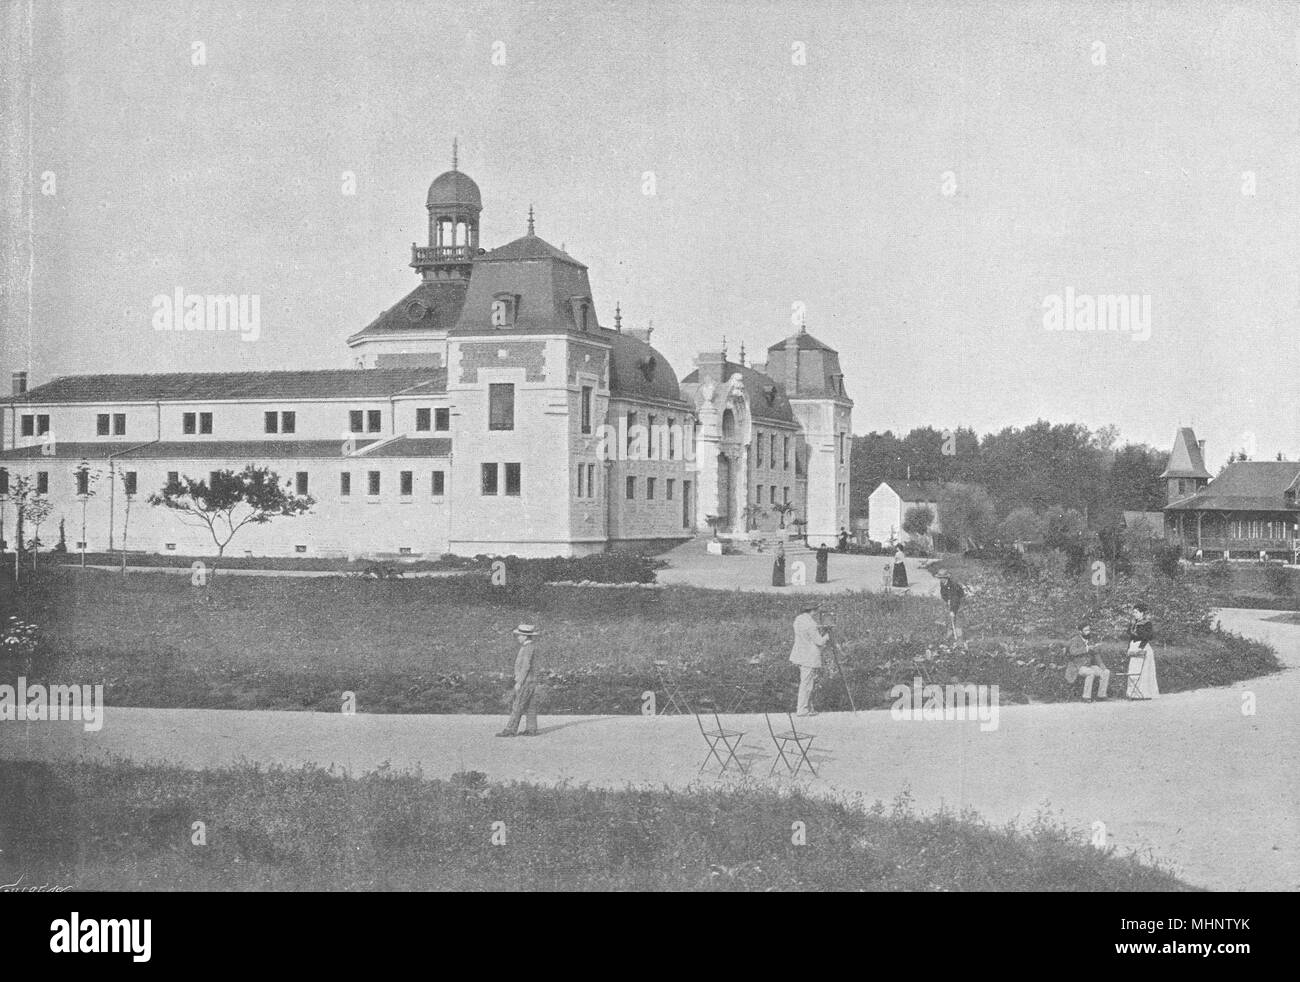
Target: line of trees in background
x,y
1047,481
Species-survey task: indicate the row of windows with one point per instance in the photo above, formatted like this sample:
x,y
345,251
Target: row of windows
x,y
771,457
651,483
82,478
274,421
1248,529
771,493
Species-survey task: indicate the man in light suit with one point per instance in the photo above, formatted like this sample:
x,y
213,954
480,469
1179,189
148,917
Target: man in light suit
x,y
524,704
809,639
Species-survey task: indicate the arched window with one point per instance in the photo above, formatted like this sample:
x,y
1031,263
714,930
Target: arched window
x,y
728,425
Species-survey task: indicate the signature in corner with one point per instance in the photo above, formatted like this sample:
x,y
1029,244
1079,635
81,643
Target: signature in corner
x,y
18,887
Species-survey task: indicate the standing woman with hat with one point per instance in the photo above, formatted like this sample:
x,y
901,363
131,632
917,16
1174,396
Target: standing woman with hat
x,y
525,698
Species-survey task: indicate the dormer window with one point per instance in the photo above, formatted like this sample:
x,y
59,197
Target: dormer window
x,y
505,309
583,317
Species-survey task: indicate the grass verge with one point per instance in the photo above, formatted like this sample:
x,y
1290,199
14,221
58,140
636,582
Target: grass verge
x,y
122,826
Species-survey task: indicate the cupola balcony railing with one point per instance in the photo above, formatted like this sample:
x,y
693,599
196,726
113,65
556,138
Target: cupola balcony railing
x,y
429,255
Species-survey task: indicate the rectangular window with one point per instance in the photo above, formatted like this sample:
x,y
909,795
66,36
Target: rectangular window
x,y
372,483
407,483
374,420
212,479
758,493
582,475
119,424
490,478
42,424
345,485
668,489
686,504
442,420
785,452
129,482
83,482
652,448
205,422
512,479
758,451
101,424
29,426
631,488
423,420
354,420
771,495
272,422
288,422
785,495
301,482
631,425
672,438
771,457
649,489
189,423
173,477
439,484
501,406
4,481
591,480
42,482
586,409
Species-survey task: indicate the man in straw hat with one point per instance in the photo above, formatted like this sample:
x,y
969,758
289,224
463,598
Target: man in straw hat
x,y
809,639
525,684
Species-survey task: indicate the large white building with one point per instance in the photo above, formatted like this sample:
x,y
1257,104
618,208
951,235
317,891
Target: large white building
x,y
488,411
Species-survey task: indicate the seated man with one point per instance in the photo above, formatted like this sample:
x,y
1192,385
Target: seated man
x,y
1084,660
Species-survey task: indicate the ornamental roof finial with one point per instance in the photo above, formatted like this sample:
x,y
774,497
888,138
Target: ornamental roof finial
x,y
530,219
618,317
454,153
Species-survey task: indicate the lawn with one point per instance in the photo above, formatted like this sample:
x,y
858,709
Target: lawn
x,y
443,645
119,826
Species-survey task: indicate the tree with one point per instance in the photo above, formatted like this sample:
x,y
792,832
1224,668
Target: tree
x,y
37,510
230,501
1021,525
1062,527
918,520
86,478
783,509
966,514
1133,482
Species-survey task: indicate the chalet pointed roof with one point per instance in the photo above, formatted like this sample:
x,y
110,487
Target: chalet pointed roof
x,y
1186,460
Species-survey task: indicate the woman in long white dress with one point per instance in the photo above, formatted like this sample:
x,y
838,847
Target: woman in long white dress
x,y
1142,682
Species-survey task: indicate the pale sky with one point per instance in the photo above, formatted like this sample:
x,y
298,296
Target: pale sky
x,y
1102,171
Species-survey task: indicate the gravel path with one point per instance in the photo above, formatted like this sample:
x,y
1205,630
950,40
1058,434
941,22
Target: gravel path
x,y
1188,778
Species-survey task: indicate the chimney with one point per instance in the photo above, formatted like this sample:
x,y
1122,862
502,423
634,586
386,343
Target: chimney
x,y
791,366
711,365
20,383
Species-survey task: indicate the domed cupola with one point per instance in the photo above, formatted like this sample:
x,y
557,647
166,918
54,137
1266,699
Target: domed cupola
x,y
454,204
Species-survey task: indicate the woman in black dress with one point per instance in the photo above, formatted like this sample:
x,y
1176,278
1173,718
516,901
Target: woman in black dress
x,y
900,570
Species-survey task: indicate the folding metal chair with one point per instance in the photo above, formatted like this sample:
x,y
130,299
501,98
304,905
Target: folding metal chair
x,y
801,740
674,698
1132,680
728,738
